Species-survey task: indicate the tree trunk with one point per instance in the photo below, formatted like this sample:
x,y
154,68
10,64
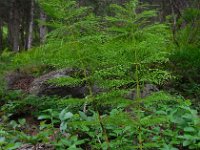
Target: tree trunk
x,y
22,35
1,35
30,32
43,28
14,27
122,2
174,27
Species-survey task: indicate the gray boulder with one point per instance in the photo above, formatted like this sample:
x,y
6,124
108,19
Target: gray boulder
x,y
40,86
145,91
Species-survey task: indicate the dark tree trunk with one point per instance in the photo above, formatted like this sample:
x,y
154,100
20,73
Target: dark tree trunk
x,y
1,35
174,16
81,2
24,25
122,1
22,35
14,27
43,28
30,32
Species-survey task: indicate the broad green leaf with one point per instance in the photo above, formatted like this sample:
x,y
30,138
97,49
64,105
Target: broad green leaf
x,y
189,129
42,117
64,115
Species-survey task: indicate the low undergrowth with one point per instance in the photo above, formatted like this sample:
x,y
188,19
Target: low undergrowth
x,y
162,122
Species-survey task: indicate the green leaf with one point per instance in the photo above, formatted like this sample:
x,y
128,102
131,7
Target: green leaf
x,y
13,124
186,143
168,147
22,121
64,115
42,117
83,115
63,126
2,140
12,146
189,129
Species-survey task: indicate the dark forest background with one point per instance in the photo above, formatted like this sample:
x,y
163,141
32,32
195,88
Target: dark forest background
x,y
22,22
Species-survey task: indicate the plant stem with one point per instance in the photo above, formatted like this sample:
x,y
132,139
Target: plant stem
x,y
138,99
